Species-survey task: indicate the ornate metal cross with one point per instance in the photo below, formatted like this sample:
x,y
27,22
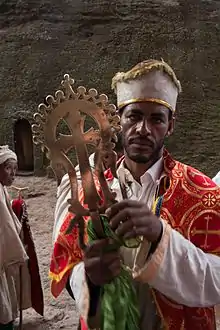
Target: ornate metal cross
x,y
73,107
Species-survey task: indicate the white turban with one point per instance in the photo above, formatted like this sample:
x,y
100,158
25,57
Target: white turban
x,y
6,153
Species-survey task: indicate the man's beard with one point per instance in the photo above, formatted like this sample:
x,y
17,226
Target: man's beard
x,y
144,159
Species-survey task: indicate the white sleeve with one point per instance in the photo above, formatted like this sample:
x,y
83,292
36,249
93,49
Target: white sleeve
x,y
80,290
62,206
183,272
216,179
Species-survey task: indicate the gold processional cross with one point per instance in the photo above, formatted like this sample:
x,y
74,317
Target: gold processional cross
x,y
73,106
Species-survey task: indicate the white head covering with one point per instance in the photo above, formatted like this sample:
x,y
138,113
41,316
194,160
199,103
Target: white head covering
x,y
6,153
151,80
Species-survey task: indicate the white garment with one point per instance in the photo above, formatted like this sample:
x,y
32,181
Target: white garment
x,y
13,258
187,274
143,192
216,178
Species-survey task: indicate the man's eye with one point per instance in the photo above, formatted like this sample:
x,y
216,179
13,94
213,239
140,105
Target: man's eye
x,y
157,120
134,117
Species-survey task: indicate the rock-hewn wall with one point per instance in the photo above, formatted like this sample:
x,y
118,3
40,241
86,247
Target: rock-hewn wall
x,y
91,40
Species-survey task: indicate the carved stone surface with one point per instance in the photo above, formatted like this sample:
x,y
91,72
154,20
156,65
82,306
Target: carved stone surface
x,y
42,40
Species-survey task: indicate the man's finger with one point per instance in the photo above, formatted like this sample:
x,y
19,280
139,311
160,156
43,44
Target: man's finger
x,y
96,248
122,216
124,228
126,203
110,258
133,215
135,232
115,267
91,263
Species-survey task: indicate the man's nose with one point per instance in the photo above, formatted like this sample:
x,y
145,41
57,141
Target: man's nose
x,y
143,127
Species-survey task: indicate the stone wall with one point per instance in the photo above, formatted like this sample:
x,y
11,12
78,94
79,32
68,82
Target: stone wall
x,y
93,39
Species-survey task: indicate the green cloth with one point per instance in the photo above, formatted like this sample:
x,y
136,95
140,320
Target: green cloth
x,y
8,326
119,307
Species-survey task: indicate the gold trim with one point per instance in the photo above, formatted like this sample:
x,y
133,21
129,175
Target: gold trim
x,y
148,272
142,69
153,100
163,320
58,277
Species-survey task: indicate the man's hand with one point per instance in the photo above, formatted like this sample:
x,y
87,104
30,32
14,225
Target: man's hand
x,y
101,266
130,219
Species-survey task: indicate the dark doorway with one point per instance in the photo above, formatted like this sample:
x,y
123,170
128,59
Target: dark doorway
x,y
24,145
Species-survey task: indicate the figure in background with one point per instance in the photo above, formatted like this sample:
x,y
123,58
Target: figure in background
x,y
172,208
20,286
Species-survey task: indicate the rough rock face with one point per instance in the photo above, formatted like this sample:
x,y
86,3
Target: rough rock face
x,y
91,40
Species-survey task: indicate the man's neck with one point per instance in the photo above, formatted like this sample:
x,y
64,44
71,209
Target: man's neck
x,y
138,169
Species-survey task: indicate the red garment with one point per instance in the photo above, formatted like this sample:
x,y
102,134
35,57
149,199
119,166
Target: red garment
x,y
19,208
191,205
83,325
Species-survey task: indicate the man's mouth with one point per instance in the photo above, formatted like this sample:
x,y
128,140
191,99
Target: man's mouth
x,y
141,143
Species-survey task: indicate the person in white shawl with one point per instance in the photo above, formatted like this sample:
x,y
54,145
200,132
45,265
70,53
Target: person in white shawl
x,y
13,257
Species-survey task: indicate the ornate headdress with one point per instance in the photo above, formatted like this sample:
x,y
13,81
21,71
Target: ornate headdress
x,y
149,81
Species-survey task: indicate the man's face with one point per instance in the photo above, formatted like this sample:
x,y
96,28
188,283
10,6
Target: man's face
x,y
7,172
144,128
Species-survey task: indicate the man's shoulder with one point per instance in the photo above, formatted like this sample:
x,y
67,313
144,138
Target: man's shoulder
x,y
193,176
216,178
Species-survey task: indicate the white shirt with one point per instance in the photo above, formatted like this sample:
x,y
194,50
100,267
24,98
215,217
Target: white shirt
x,y
143,191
